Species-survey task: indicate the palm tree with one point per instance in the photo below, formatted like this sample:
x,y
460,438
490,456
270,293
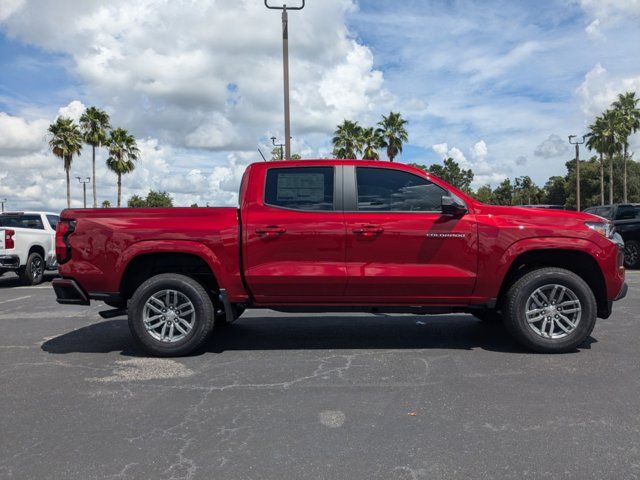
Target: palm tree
x,y
627,106
123,151
391,130
611,131
65,142
95,123
346,140
371,141
596,142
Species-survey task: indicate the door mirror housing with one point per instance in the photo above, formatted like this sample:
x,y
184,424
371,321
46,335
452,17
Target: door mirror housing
x,y
452,206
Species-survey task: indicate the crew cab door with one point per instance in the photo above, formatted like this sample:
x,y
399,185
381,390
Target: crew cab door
x,y
294,235
400,247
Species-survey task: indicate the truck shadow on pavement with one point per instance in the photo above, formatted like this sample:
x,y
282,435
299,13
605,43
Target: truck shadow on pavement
x,y
451,332
10,280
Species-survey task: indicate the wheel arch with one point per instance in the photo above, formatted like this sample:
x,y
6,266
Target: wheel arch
x,y
581,261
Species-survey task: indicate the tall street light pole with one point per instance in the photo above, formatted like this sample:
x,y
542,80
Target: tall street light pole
x,y
577,143
278,145
3,201
84,188
285,67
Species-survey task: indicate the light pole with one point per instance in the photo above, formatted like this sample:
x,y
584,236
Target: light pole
x,y
3,201
84,188
280,145
285,67
577,143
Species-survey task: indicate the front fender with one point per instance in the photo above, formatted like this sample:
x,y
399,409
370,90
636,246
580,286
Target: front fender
x,y
494,268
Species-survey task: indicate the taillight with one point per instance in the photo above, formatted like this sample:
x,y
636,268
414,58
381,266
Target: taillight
x,y
8,239
63,247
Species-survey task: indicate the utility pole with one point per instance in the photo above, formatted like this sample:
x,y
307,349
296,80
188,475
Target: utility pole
x,y
3,201
280,145
285,67
84,188
577,143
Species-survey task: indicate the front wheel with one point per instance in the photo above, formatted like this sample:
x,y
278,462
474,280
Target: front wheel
x,y
33,272
632,254
550,310
170,315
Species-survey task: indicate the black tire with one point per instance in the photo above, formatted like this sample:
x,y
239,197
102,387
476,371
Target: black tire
x,y
515,302
33,271
488,316
197,295
632,254
2,272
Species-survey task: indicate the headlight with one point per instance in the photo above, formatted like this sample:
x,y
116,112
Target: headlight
x,y
603,228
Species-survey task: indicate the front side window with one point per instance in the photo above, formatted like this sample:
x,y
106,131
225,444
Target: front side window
x,y
22,221
300,188
386,190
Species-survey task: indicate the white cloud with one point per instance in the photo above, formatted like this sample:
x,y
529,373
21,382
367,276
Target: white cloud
x,y
611,11
442,149
599,89
203,76
593,30
18,134
553,146
73,111
479,150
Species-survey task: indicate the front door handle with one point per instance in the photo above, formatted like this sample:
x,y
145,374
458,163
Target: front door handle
x,y
270,231
368,230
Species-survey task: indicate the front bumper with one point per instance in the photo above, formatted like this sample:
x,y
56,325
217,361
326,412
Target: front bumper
x,y
68,292
9,261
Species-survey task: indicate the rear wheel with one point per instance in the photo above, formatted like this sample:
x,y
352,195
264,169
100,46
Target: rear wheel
x,y
33,272
632,254
550,310
170,315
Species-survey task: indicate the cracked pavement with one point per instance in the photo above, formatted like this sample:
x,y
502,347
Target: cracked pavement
x,y
326,396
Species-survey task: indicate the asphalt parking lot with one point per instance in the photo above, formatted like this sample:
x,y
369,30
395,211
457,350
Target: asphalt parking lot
x,y
279,396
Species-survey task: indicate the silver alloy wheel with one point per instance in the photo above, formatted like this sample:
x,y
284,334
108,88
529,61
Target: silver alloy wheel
x,y
168,316
37,268
553,311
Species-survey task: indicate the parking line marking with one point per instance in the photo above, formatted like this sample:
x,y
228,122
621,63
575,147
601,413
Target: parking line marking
x,y
16,299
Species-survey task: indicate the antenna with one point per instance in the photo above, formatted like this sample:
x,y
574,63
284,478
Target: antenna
x,y
260,152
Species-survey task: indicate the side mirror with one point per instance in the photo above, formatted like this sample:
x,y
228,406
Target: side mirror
x,y
450,206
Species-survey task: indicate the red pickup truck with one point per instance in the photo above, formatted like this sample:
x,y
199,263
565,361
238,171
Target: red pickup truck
x,y
342,235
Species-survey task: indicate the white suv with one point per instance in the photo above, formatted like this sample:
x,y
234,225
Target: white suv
x,y
27,244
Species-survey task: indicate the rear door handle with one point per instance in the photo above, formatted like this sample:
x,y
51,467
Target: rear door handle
x,y
368,230
271,231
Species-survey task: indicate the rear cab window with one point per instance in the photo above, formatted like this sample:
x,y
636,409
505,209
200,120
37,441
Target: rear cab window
x,y
300,188
32,221
53,221
387,190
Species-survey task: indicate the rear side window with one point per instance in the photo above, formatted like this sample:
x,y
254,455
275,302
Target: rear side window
x,y
627,212
22,221
386,190
604,212
300,188
53,220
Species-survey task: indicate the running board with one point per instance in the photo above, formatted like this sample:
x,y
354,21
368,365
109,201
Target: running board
x,y
113,313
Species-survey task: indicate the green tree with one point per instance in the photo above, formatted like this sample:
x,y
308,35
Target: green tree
x,y
65,142
627,108
136,201
123,152
159,199
503,193
525,191
346,140
612,134
589,183
194,205
94,124
106,204
393,134
484,194
555,191
451,172
370,141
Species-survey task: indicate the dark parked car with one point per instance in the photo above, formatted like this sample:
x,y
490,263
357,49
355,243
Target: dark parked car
x,y
626,218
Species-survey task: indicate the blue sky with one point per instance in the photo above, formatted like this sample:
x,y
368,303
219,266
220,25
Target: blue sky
x,y
496,85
